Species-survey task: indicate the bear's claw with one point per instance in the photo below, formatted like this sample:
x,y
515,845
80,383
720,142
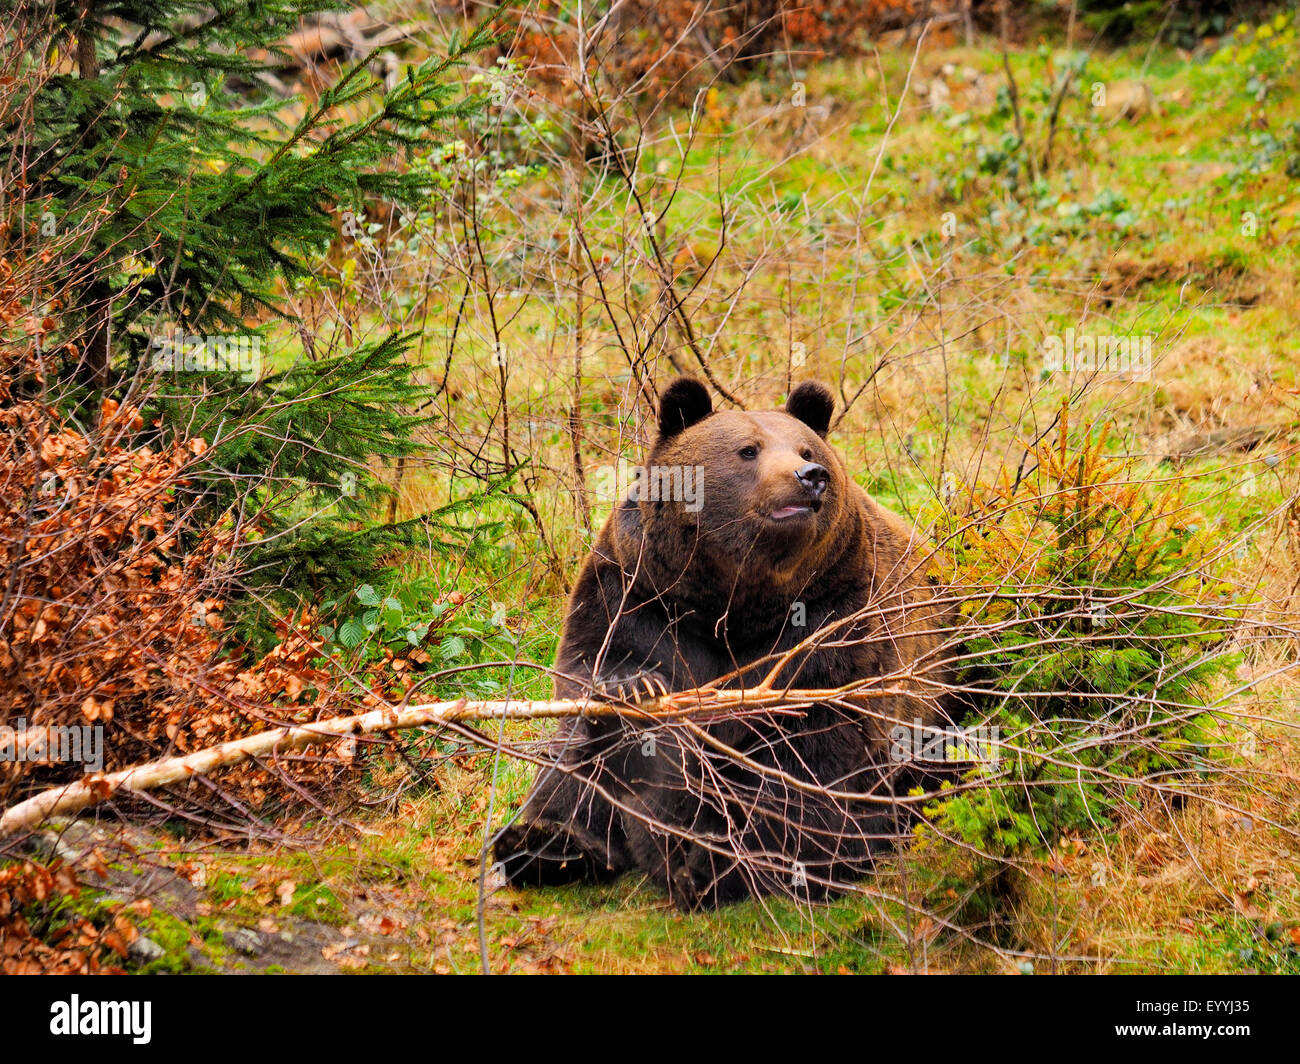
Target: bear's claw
x,y
632,687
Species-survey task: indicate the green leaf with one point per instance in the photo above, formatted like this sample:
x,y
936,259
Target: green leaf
x,y
352,632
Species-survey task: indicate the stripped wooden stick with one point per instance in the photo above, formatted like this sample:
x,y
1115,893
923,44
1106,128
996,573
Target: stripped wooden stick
x,y
72,797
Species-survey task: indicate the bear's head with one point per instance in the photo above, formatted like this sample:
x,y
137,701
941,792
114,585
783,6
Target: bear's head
x,y
764,489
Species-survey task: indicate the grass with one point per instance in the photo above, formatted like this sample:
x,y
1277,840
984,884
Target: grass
x,y
1194,889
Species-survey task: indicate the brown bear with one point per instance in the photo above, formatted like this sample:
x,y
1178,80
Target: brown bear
x,y
743,537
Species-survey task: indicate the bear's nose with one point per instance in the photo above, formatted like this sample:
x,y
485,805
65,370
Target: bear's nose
x,y
813,478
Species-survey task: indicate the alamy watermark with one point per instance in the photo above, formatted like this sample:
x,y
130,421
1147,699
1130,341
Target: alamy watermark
x,y
920,742
178,352
48,744
668,483
132,1019
1122,356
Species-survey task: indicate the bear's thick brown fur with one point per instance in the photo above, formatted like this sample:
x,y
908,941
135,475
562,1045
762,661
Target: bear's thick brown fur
x,y
711,588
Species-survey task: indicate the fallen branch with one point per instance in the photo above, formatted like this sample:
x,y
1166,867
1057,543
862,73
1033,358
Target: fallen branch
x,y
73,797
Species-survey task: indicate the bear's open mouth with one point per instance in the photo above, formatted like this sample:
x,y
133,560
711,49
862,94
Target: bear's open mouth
x,y
786,512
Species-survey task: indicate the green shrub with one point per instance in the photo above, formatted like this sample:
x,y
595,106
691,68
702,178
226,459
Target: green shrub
x,y
1096,636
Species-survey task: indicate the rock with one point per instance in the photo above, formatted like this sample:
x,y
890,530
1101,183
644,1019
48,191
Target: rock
x,y
69,840
246,941
144,950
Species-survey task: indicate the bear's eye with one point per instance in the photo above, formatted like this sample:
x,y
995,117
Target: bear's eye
x,y
749,453
806,454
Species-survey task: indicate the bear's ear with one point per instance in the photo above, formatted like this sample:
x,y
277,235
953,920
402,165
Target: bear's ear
x,y
812,404
685,402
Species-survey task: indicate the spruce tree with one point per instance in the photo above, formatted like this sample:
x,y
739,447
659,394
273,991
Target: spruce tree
x,y
207,210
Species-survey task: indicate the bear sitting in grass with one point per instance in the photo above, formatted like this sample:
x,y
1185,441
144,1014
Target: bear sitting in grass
x,y
744,536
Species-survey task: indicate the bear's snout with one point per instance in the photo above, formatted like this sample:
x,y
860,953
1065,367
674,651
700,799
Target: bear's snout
x,y
813,478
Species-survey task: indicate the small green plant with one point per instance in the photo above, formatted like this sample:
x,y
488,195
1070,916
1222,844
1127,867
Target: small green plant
x,y
415,624
1098,638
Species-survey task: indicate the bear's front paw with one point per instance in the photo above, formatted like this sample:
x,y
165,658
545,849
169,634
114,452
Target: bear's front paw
x,y
545,853
638,686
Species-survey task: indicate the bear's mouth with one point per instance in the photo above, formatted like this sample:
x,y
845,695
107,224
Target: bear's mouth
x,y
788,513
